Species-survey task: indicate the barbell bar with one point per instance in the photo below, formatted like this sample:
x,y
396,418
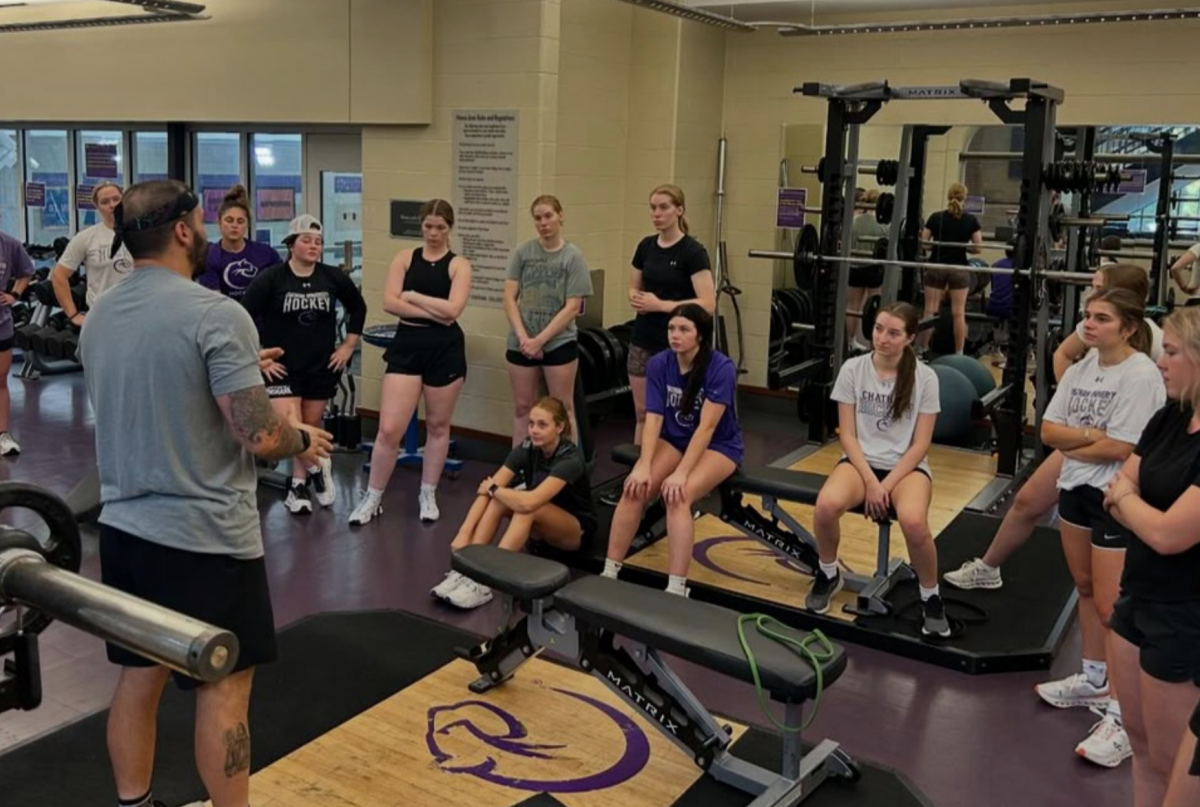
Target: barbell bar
x,y
1082,277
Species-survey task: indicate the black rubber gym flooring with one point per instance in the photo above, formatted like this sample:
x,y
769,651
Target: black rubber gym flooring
x,y
331,668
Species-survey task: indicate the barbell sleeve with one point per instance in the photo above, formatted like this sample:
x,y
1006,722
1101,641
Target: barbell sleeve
x,y
163,636
771,255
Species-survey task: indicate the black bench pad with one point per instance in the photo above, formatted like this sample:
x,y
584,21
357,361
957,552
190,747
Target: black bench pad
x,y
698,632
524,576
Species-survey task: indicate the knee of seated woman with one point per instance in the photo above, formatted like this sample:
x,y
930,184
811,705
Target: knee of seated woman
x,y
916,530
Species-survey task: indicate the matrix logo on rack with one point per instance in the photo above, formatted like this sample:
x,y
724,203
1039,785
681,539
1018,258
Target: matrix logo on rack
x,y
714,553
479,739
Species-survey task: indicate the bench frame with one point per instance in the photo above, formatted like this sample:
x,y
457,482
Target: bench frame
x,y
640,676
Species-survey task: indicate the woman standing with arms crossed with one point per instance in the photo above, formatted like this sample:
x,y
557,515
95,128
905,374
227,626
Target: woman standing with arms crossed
x,y
427,288
234,262
1155,641
547,280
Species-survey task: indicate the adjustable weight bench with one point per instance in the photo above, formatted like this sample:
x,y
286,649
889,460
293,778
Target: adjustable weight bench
x,y
580,620
788,538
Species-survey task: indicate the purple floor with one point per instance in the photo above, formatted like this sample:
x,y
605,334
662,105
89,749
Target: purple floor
x,y
962,740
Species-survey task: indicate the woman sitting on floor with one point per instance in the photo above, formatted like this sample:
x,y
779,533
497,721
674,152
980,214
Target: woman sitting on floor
x,y
554,506
887,405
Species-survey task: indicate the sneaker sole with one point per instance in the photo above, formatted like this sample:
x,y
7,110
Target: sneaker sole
x,y
936,633
1082,754
300,511
989,585
1063,703
469,607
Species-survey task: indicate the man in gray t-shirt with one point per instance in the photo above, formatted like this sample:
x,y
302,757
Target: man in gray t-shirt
x,y
172,371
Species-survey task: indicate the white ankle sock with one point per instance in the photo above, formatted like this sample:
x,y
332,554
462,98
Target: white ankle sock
x,y
1114,709
926,593
611,569
314,469
677,585
375,493
830,570
988,567
1096,672
426,487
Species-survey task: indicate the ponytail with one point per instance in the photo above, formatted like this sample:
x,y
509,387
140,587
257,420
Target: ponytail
x,y
696,377
906,383
956,198
1142,339
683,225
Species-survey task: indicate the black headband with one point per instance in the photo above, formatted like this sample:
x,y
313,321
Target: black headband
x,y
184,203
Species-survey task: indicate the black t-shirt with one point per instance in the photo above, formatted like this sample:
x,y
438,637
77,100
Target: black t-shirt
x,y
532,466
946,227
1170,465
666,273
298,313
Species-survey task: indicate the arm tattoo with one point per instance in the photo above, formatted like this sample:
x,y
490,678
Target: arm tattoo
x,y
237,751
260,428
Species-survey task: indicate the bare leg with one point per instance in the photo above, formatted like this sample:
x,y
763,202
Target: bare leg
x,y
1035,498
5,401
842,490
439,410
1166,709
1184,787
958,309
289,410
397,403
223,739
524,383
1077,546
133,728
712,469
854,302
637,386
549,522
911,498
933,303
1107,565
1124,670
629,510
480,527
560,381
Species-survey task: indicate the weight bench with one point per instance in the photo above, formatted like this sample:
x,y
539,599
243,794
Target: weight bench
x,y
788,538
580,620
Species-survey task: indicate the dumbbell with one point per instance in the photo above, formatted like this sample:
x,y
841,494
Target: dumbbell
x,y
62,344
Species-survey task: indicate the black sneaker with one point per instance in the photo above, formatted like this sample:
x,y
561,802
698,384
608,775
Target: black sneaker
x,y
298,501
822,591
935,623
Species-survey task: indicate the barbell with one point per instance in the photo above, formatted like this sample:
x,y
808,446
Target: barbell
x,y
886,172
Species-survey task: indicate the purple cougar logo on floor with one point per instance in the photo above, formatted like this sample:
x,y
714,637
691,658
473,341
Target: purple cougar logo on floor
x,y
505,737
701,554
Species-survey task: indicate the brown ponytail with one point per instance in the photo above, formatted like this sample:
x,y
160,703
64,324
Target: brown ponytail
x,y
956,197
906,373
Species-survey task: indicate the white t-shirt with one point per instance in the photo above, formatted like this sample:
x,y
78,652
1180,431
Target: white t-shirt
x,y
1195,279
883,440
1119,399
1156,337
93,248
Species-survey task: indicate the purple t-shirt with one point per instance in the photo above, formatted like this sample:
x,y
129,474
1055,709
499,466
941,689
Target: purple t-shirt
x,y
664,394
231,273
14,263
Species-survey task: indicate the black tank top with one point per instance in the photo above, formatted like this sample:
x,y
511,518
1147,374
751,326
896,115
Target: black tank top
x,y
428,277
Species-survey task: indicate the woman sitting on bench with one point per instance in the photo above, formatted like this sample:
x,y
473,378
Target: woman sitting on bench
x,y
887,405
691,441
555,505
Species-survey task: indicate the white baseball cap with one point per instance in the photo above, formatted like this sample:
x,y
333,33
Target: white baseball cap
x,y
304,223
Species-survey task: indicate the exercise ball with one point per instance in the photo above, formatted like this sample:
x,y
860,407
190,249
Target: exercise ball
x,y
957,394
972,369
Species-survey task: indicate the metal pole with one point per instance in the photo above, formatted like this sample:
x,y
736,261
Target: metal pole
x,y
163,636
891,280
843,278
718,267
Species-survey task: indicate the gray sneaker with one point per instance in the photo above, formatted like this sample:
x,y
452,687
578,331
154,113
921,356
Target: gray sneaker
x,y
973,574
933,610
822,591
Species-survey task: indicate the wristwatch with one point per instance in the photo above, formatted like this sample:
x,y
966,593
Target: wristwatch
x,y
305,440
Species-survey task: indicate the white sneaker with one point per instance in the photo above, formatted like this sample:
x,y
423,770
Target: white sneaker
x,y
1107,743
974,574
298,502
1074,690
367,508
8,445
469,594
322,484
452,581
429,508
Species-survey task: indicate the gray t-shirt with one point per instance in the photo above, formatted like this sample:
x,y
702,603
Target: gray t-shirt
x,y
157,350
883,440
547,279
865,232
1119,399
93,249
15,264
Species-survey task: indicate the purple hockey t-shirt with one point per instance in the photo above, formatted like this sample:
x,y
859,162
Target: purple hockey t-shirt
x,y
14,263
664,394
231,273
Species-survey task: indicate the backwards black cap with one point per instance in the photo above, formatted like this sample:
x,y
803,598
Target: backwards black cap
x,y
184,203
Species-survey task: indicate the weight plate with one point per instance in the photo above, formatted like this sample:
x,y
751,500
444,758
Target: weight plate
x,y
592,363
778,320
606,360
804,262
885,208
619,375
791,306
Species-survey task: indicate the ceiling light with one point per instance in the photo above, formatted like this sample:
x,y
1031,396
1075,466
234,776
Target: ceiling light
x,y
1160,15
695,15
155,11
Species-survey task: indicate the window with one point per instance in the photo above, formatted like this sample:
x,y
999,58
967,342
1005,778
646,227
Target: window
x,y
48,186
10,184
99,157
218,167
341,213
276,177
149,156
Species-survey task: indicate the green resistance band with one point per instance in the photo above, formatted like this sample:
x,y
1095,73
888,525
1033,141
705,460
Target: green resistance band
x,y
816,657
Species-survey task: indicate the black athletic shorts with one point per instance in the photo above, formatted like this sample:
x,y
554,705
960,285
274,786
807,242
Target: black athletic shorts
x,y
222,591
1195,769
563,354
437,354
881,474
307,386
869,276
1166,633
1083,507
7,344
